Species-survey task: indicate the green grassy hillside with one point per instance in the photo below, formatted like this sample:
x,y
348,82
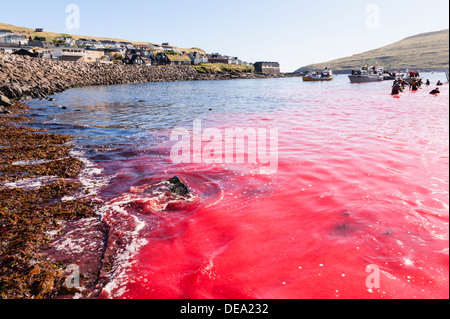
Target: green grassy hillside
x,y
426,51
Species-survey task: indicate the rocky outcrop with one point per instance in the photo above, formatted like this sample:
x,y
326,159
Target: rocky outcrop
x,y
24,77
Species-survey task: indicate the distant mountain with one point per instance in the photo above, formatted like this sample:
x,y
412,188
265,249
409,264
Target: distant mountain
x,y
426,51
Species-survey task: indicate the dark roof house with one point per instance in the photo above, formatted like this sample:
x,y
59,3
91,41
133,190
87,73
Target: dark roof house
x,y
217,58
134,59
272,68
25,52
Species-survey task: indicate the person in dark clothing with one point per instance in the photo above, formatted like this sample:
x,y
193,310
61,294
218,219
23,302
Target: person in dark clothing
x,y
396,89
439,82
414,86
427,82
435,91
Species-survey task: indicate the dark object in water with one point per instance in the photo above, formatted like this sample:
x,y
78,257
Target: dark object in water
x,y
435,91
177,186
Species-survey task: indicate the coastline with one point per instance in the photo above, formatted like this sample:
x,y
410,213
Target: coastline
x,y
30,217
25,78
31,214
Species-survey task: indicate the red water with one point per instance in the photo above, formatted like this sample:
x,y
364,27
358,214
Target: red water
x,y
362,181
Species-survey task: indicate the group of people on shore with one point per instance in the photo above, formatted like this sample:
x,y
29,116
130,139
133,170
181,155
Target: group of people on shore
x,y
400,84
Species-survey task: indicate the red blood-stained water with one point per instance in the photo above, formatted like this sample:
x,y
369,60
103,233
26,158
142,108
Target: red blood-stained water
x,y
360,182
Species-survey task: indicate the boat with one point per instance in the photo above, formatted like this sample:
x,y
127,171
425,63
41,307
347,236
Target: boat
x,y
366,74
325,75
390,76
412,76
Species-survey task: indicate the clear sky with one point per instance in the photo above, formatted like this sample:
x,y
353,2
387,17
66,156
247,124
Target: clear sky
x,y
294,33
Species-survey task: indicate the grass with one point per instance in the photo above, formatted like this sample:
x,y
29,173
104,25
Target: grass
x,y
223,68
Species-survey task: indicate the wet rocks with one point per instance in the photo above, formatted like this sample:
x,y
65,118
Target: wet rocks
x,y
4,101
3,110
177,186
23,77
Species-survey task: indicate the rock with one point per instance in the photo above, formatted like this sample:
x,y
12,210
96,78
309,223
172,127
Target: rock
x,y
4,111
178,187
4,101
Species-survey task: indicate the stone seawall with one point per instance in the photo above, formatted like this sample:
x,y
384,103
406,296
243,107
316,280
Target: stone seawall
x,y
26,78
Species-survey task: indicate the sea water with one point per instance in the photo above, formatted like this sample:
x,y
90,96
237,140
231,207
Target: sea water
x,y
356,205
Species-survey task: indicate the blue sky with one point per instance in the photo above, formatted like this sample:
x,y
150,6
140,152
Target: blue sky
x,y
294,33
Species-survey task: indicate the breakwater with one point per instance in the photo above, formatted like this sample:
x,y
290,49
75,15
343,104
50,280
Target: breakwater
x,y
23,77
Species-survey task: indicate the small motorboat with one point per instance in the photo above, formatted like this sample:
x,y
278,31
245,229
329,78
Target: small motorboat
x,y
365,74
411,77
325,75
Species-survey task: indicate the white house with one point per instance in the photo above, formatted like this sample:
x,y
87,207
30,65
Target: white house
x,y
15,38
13,47
69,54
66,40
4,32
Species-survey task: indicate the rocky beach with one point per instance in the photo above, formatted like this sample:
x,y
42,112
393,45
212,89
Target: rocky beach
x,y
22,77
31,216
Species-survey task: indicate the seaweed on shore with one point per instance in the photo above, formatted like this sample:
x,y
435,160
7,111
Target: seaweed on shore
x,y
28,216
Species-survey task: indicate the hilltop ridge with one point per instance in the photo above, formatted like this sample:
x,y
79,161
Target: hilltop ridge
x,y
425,51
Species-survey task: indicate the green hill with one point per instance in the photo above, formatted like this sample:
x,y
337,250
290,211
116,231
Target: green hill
x,y
426,51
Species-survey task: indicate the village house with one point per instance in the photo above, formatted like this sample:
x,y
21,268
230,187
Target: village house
x,y
136,59
272,68
13,47
91,55
45,53
109,44
4,32
26,52
82,43
66,40
232,60
16,38
197,58
42,39
69,54
178,59
44,49
139,56
155,48
126,45
217,58
115,53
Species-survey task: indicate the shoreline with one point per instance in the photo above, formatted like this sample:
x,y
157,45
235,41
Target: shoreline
x,y
31,217
26,78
